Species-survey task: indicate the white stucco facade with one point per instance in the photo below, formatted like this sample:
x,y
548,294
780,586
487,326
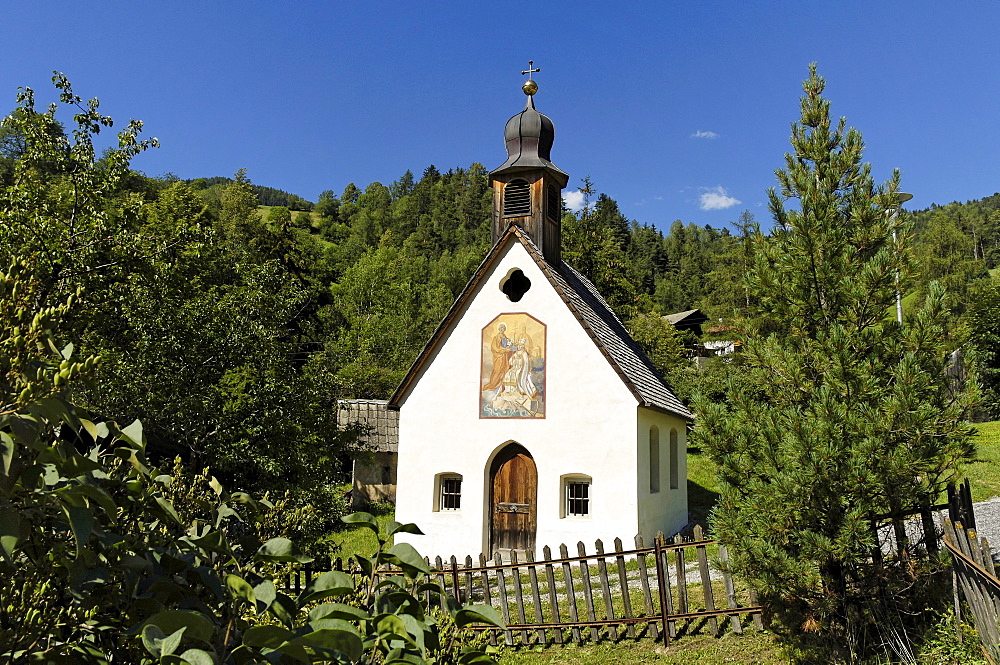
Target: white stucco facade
x,y
593,427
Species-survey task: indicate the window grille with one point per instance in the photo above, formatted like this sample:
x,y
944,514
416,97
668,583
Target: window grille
x,y
451,493
578,498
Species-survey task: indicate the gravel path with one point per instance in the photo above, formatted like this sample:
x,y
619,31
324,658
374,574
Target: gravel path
x,y
988,521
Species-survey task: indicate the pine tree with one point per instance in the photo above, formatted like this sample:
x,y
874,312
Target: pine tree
x,y
849,414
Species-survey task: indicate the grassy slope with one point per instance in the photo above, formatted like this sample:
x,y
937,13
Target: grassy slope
x,y
984,472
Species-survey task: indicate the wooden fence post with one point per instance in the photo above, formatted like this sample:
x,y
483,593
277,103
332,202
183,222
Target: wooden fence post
x,y
515,574
706,579
550,578
502,586
609,603
623,583
536,597
647,598
660,584
682,590
727,578
574,615
486,592
588,594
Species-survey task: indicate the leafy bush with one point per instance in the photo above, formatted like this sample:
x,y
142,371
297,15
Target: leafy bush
x,y
106,559
941,645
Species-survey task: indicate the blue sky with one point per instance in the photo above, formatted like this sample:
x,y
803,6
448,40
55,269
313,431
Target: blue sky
x,y
678,110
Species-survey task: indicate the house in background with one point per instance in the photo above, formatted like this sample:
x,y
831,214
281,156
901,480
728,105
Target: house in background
x,y
688,320
373,476
699,349
531,417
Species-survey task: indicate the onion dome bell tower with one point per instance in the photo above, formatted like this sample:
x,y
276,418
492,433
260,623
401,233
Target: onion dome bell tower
x,y
527,188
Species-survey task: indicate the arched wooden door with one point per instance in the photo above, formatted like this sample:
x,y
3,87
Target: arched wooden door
x,y
513,490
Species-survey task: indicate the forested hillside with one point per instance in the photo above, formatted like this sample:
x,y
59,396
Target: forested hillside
x,y
230,329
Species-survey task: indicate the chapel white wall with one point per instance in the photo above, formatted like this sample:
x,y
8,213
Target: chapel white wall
x,y
667,509
589,428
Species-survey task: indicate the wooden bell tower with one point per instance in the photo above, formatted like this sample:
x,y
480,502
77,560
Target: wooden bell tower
x,y
527,188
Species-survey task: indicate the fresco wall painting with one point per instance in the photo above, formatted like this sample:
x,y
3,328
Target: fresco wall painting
x,y
512,382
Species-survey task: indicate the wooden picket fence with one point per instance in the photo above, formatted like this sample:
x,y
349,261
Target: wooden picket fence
x,y
662,590
976,576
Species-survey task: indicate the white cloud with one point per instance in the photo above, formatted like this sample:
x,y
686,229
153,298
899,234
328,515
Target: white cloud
x,y
573,200
715,198
704,134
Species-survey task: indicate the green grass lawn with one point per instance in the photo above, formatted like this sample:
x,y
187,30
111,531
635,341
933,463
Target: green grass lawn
x,y
753,647
354,540
702,490
984,472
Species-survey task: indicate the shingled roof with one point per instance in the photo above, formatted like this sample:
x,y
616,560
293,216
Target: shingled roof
x,y
590,309
380,422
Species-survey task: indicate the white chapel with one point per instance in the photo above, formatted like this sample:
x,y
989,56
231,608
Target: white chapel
x,y
531,417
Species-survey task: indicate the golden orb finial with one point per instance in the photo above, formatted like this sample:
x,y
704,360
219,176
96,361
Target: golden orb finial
x,y
530,87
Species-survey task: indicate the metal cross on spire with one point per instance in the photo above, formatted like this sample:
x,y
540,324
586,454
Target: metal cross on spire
x,y
530,87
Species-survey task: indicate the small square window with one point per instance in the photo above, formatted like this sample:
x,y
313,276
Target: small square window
x,y
451,493
578,498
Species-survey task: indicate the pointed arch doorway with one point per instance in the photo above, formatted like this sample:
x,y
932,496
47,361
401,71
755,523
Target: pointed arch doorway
x,y
513,493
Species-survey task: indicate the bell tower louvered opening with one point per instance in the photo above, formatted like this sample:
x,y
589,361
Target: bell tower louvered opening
x,y
517,199
553,206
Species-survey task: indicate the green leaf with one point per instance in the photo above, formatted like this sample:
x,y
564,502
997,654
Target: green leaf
x,y
81,521
284,609
280,549
296,651
161,645
395,527
168,508
271,637
478,614
67,351
90,427
54,410
101,497
393,625
10,531
216,486
240,588
197,657
361,519
338,611
7,448
347,642
199,627
404,555
77,465
213,541
416,629
26,429
133,434
265,593
331,583
475,658
152,638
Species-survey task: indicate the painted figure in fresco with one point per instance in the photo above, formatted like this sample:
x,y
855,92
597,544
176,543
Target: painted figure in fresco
x,y
502,349
518,389
520,370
